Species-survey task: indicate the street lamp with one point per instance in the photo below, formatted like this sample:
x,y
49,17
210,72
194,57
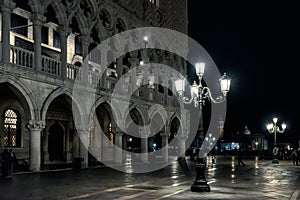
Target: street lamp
x,y
198,95
273,128
210,140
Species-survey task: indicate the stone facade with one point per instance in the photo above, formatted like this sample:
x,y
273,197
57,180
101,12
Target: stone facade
x,y
46,47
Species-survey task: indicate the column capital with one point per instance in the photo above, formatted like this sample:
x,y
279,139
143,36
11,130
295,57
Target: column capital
x,y
165,134
144,131
181,136
38,19
64,30
7,5
133,61
82,131
85,39
36,125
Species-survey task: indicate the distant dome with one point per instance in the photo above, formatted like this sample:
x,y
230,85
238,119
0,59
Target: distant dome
x,y
246,131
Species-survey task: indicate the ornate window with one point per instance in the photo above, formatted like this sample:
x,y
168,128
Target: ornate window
x,y
12,132
120,25
105,18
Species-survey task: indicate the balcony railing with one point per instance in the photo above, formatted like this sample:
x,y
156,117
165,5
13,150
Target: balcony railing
x,y
51,66
21,57
25,59
73,72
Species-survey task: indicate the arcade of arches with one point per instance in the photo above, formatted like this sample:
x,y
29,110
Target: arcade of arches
x,y
43,46
59,139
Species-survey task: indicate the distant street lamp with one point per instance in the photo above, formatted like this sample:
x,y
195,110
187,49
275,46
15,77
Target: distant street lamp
x,y
273,128
198,95
210,140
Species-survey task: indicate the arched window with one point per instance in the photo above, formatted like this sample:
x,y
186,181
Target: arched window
x,y
12,132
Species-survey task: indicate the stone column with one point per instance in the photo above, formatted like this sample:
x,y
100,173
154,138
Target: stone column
x,y
144,143
118,152
35,127
68,154
6,7
64,32
104,52
83,146
119,68
85,41
133,62
38,21
181,145
45,145
166,86
165,145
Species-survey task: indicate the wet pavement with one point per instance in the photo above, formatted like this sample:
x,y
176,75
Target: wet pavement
x,y
259,179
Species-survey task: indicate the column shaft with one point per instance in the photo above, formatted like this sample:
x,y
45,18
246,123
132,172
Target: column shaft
x,y
6,9
83,147
85,41
35,128
64,32
144,149
181,147
165,148
38,20
118,148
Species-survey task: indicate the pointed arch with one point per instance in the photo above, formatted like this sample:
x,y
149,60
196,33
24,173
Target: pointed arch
x,y
67,92
59,10
18,85
36,6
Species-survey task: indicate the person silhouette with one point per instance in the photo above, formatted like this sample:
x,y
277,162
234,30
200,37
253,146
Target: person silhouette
x,y
240,161
294,156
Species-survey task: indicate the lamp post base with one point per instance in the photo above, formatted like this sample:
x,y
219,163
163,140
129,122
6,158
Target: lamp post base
x,y
200,183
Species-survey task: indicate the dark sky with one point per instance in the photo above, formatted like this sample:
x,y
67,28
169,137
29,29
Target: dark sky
x,y
258,45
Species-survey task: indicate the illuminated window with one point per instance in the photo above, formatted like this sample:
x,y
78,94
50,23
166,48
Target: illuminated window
x,y
110,135
12,136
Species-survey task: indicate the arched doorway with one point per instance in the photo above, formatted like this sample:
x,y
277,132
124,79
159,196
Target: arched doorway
x,y
133,120
174,128
60,142
56,142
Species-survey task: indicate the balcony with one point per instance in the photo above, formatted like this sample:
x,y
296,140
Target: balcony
x,y
22,64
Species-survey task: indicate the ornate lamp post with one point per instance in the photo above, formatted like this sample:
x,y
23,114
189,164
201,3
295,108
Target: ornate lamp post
x,y
273,128
198,95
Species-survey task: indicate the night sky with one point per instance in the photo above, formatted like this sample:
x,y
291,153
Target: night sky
x,y
258,46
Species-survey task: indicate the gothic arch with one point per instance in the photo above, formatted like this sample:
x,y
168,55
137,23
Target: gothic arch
x,y
140,111
36,6
102,33
82,25
164,118
174,116
58,92
20,86
59,11
98,103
